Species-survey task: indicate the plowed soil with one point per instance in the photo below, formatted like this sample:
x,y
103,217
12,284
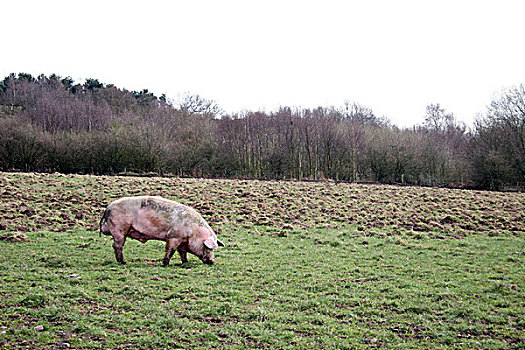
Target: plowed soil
x,y
55,202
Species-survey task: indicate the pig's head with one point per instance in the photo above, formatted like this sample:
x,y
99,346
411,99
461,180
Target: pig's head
x,y
205,244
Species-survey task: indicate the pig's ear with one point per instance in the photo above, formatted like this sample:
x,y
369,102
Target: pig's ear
x,y
220,243
210,243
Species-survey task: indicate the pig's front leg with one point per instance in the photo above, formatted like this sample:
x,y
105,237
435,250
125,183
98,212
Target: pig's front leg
x,y
183,256
171,245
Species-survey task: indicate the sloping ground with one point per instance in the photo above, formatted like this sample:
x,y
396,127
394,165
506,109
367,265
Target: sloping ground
x,y
55,202
297,270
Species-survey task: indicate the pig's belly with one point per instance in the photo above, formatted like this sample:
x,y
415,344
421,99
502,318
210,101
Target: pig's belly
x,y
149,226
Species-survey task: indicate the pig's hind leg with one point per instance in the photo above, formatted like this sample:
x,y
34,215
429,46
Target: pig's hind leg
x,y
118,244
119,238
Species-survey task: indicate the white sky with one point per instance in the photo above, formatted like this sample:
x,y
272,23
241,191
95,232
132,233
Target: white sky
x,y
395,57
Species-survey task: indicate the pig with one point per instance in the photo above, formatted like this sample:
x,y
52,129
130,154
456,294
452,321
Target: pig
x,y
149,217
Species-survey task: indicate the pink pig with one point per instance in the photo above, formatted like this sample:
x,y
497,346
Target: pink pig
x,y
148,217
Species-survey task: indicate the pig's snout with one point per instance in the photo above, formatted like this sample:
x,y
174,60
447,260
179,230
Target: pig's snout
x,y
209,261
207,256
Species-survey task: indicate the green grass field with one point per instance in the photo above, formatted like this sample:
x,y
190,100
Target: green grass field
x,y
306,265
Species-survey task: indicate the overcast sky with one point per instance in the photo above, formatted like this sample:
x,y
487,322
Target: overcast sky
x,y
395,57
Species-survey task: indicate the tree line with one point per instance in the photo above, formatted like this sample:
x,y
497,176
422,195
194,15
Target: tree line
x,y
50,123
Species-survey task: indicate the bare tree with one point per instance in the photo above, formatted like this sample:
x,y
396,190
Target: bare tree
x,y
195,104
437,119
499,141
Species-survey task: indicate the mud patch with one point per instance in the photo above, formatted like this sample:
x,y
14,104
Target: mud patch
x,y
14,237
